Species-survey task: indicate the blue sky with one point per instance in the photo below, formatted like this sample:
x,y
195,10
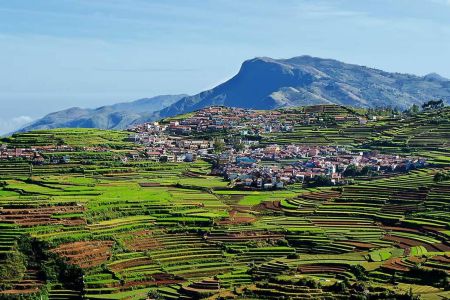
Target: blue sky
x,y
56,54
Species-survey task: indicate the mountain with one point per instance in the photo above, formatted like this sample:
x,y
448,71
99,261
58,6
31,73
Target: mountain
x,y
117,116
266,83
435,77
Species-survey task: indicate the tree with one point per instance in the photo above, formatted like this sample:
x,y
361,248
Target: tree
x,y
350,171
433,104
365,171
219,145
13,267
154,294
359,271
340,287
414,109
396,111
441,176
238,145
321,180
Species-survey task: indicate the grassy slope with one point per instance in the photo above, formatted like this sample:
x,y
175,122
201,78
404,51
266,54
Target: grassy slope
x,y
160,230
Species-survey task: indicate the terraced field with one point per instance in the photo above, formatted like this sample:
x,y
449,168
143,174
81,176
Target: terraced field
x,y
426,134
131,230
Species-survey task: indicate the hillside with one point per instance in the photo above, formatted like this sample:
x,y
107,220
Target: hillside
x,y
116,116
97,218
266,83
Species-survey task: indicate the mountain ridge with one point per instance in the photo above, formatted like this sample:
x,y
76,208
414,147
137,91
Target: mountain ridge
x,y
268,83
115,116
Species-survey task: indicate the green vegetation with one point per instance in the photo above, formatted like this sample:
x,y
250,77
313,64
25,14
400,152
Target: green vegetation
x,y
99,227
73,137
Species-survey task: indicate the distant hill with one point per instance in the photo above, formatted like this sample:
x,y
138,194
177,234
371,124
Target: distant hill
x,y
117,116
266,83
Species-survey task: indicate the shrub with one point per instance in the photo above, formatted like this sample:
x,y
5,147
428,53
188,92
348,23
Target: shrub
x,y
441,176
13,267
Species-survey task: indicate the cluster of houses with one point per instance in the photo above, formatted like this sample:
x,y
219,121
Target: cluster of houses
x,y
36,155
244,121
250,164
219,118
271,166
20,153
164,148
277,166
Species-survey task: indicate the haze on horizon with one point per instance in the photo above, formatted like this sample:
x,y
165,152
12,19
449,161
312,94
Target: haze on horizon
x,y
58,54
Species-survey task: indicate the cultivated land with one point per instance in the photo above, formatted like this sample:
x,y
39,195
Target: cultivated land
x,y
84,223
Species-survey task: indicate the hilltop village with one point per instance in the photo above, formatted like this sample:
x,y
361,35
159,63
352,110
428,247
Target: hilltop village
x,y
243,121
230,139
237,154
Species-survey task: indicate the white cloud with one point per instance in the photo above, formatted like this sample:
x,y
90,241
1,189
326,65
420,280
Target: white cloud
x,y
8,125
22,120
442,2
322,9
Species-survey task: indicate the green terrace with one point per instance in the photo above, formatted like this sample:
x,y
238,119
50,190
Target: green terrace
x,y
122,230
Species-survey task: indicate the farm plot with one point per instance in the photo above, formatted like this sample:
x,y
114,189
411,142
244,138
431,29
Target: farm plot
x,y
170,229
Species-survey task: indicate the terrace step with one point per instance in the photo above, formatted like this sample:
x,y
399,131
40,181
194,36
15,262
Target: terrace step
x,y
62,294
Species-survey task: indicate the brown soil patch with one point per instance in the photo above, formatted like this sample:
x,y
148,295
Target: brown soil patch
x,y
85,254
150,184
141,240
407,243
244,236
359,245
396,264
236,219
321,268
42,215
